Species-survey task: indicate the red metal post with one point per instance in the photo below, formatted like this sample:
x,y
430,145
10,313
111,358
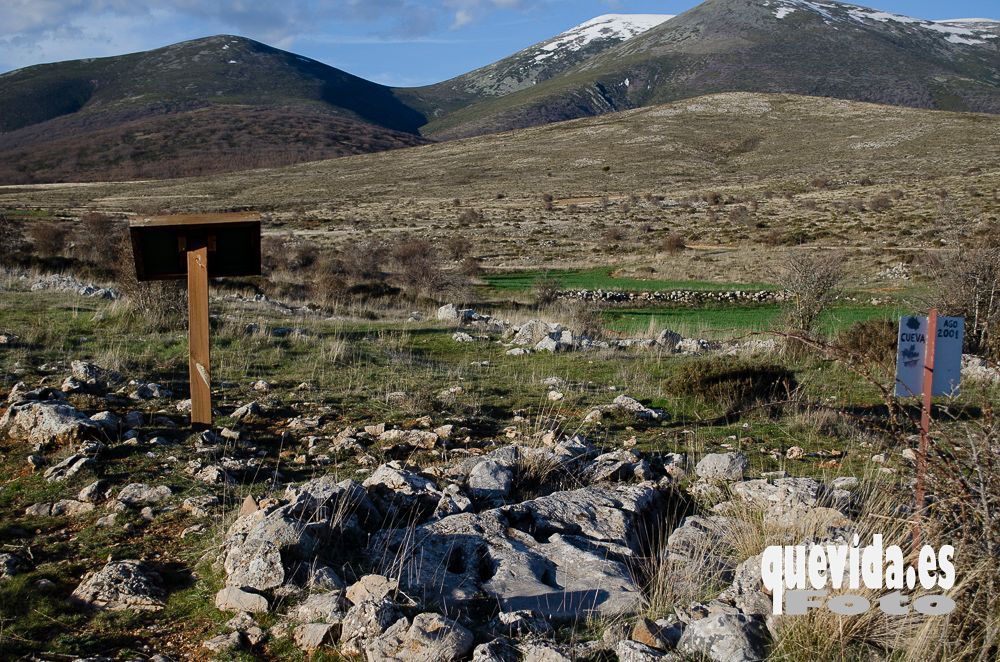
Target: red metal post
x,y
925,424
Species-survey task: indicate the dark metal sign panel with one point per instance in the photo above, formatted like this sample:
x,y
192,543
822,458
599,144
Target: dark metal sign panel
x,y
160,245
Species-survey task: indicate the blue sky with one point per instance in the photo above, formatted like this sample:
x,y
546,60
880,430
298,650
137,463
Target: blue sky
x,y
397,42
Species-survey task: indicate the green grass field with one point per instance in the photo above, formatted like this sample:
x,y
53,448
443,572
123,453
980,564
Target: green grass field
x,y
602,278
734,320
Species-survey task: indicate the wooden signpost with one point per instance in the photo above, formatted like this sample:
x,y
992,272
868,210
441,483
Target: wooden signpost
x,y
197,247
928,363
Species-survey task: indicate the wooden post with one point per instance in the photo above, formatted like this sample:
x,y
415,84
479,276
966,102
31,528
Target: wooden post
x,y
925,424
199,363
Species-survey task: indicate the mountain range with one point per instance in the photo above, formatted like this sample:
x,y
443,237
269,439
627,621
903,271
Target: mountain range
x,y
226,103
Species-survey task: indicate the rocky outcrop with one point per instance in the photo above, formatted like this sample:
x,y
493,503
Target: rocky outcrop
x,y
565,555
285,542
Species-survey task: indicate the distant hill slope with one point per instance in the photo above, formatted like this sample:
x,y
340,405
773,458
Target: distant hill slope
x,y
110,114
752,141
790,46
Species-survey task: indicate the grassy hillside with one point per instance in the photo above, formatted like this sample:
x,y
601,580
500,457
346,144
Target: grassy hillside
x,y
111,115
741,179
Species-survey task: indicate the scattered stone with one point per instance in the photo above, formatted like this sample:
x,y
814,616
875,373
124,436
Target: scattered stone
x,y
490,480
238,600
71,508
10,565
150,391
364,623
38,510
224,643
624,403
47,424
122,585
429,638
795,453
200,506
634,651
371,588
69,468
321,608
396,491
845,483
140,494
94,493
312,636
722,466
725,638
520,623
249,412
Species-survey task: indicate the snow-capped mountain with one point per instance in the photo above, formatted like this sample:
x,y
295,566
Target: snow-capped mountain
x,y
963,31
607,28
813,47
538,63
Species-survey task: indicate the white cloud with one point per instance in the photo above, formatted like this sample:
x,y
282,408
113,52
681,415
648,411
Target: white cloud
x,y
34,31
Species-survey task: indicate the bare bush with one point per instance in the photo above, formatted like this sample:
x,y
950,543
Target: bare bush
x,y
969,286
161,303
92,237
364,262
470,217
458,246
419,270
674,243
48,240
813,281
11,240
546,290
613,234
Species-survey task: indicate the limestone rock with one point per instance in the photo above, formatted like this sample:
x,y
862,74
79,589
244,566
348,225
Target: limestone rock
x,y
311,636
722,466
634,651
71,508
47,424
429,638
565,555
371,588
122,585
238,600
397,491
69,468
321,608
364,623
725,638
490,480
224,643
140,494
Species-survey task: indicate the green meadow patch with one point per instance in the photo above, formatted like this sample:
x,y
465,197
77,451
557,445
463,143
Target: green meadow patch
x,y
729,321
603,278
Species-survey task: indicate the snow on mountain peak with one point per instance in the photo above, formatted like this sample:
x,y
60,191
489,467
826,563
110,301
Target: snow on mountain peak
x,y
956,31
609,26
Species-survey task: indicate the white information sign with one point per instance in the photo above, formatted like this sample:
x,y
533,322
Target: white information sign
x,y
912,346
